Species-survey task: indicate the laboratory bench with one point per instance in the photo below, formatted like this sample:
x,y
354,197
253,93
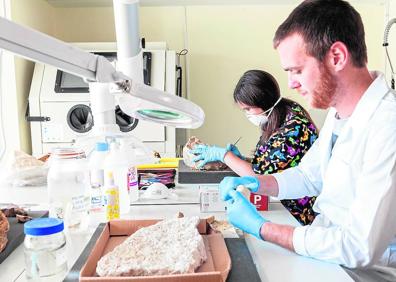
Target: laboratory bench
x,y
273,263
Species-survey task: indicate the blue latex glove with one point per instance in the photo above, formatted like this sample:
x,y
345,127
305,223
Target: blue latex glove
x,y
207,154
230,183
244,215
232,148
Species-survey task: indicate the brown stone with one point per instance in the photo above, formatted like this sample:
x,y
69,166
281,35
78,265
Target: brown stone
x,y
188,157
4,227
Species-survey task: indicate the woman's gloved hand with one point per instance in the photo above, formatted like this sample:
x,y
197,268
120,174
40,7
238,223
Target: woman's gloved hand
x,y
207,154
230,183
234,149
244,215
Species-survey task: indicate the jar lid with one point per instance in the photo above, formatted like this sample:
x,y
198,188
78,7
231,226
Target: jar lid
x,y
68,153
43,226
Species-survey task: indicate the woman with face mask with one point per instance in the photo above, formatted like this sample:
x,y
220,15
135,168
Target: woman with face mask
x,y
287,132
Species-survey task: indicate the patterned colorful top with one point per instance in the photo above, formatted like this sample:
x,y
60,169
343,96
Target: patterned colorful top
x,y
284,149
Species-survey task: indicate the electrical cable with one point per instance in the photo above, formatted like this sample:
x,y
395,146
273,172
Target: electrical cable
x,y
3,140
187,72
179,70
183,52
386,44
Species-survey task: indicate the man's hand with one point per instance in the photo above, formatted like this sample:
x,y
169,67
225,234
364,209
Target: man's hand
x,y
207,154
243,215
230,183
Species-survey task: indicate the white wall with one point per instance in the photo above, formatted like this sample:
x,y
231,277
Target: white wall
x,y
17,73
223,42
391,39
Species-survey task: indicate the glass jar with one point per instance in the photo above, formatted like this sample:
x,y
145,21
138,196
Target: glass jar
x,y
68,188
45,250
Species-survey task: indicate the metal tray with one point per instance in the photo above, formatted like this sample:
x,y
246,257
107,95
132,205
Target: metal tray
x,y
16,235
186,175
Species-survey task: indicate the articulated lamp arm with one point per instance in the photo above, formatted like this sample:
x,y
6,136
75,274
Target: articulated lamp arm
x,y
39,47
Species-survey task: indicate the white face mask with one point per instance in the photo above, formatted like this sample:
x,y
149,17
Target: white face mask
x,y
262,119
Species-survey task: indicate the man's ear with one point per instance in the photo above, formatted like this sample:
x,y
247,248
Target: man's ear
x,y
337,56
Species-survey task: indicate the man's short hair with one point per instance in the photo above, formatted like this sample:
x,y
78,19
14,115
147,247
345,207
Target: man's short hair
x,y
323,22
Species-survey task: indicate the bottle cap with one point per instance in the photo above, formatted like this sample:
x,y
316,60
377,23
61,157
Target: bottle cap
x,y
43,226
67,153
102,146
109,179
110,175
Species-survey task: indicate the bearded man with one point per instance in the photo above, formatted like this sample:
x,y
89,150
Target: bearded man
x,y
351,167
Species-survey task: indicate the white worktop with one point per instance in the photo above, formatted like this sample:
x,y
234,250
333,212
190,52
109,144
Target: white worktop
x,y
273,263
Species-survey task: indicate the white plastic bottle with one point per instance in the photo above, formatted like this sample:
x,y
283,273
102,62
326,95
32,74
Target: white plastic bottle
x,y
132,175
96,163
112,197
97,192
116,162
133,184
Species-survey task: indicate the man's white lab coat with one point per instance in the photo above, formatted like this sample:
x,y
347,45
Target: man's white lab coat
x,y
356,184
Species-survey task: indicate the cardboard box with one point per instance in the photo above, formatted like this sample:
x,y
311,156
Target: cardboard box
x,y
215,269
210,199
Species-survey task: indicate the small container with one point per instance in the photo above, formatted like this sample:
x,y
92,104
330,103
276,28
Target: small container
x,y
117,163
96,164
133,182
112,197
69,187
45,250
210,199
97,192
132,175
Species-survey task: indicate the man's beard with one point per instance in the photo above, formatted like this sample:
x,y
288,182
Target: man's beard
x,y
323,96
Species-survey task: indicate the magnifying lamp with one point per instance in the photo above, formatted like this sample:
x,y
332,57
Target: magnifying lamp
x,y
136,99
146,102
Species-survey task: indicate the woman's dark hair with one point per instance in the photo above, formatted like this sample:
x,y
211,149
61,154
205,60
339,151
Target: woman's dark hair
x,y
257,88
322,23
